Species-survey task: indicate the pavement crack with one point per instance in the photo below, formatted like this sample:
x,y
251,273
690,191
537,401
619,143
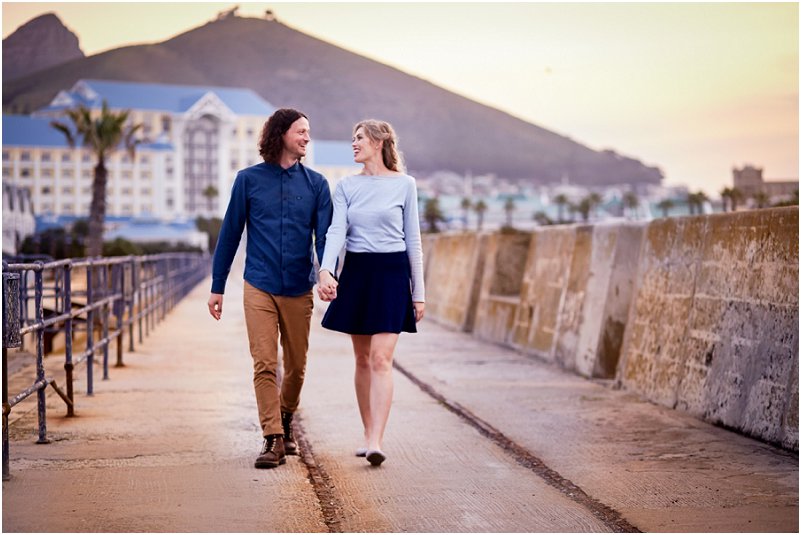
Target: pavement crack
x,y
330,503
611,518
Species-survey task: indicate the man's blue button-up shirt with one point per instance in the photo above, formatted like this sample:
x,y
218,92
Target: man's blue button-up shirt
x,y
282,209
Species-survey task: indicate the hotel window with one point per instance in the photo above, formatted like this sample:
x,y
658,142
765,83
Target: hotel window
x,y
25,172
86,191
144,159
234,165
47,173
86,173
145,175
66,157
46,190
6,156
147,208
125,159
25,156
169,202
145,191
66,208
47,207
86,157
66,190
6,171
127,191
127,209
45,156
126,174
166,123
84,208
67,173
250,132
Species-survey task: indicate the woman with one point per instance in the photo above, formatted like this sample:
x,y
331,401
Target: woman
x,y
380,292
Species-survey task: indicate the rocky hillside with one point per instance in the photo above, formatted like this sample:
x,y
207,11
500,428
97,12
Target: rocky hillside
x,y
38,44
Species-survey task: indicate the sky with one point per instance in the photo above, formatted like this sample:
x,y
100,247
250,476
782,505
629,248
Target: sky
x,y
693,88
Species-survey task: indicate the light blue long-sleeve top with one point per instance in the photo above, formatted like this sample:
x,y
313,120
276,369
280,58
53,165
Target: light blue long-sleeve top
x,y
377,214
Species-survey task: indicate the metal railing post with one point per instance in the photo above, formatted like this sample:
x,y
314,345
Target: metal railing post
x,y
105,317
40,372
11,338
90,331
68,366
118,282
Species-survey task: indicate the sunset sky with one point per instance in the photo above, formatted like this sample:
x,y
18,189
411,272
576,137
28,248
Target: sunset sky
x,y
693,88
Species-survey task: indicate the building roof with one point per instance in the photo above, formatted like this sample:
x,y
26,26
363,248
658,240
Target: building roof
x,y
161,97
27,131
337,153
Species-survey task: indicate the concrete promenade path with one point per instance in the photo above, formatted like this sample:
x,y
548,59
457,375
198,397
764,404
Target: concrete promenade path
x,y
480,439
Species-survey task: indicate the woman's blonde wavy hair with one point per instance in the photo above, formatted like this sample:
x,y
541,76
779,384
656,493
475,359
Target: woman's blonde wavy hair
x,y
382,131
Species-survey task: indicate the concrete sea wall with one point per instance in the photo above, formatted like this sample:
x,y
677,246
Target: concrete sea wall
x,y
699,313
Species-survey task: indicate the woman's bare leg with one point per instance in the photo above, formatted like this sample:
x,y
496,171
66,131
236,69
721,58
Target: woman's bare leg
x,y
361,379
382,348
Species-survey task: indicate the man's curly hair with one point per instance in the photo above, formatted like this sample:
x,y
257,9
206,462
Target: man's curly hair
x,y
270,143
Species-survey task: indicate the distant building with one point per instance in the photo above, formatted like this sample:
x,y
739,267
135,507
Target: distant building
x,y
18,217
193,137
750,182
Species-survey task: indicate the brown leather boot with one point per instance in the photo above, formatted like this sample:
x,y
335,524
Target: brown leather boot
x,y
290,446
272,452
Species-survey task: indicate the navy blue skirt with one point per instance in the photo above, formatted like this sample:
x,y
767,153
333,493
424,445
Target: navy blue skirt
x,y
374,295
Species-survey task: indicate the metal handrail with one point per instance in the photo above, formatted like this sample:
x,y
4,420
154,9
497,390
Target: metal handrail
x,y
132,289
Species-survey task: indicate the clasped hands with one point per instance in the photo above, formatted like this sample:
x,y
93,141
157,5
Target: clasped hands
x,y
327,287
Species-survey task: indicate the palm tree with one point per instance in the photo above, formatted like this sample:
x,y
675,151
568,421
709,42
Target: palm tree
x,y
433,214
595,200
631,201
665,205
509,208
102,135
466,205
761,199
584,208
210,192
561,201
725,196
736,195
480,207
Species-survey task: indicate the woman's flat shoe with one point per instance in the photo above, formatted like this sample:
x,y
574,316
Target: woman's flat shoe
x,y
361,452
376,457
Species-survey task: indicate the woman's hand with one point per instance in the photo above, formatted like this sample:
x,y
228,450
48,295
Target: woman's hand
x,y
327,287
419,310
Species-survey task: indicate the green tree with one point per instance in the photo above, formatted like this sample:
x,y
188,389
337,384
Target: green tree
x,y
509,208
542,218
432,214
210,192
665,205
466,205
725,197
695,201
736,196
631,202
761,199
102,135
584,208
561,201
480,207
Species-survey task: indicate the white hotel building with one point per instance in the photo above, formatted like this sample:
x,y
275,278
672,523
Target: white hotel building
x,y
193,137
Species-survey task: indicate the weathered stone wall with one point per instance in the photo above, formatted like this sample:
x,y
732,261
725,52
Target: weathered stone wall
x,y
714,323
695,313
453,264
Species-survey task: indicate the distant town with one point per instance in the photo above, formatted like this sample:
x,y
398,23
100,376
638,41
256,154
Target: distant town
x,y
193,139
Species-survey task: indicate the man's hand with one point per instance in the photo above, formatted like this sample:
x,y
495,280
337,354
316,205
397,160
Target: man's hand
x,y
215,305
327,287
419,310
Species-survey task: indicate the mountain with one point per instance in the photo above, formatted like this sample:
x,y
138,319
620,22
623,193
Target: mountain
x,y
438,130
39,43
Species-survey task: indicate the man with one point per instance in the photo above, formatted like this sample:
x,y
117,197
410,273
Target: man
x,y
283,203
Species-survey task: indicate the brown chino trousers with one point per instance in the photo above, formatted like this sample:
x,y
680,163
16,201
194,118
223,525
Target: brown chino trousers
x,y
266,315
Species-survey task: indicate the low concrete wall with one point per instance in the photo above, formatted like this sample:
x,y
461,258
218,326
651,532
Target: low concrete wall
x,y
453,268
714,322
695,313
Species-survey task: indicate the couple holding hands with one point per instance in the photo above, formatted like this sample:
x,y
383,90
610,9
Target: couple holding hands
x,y
288,211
